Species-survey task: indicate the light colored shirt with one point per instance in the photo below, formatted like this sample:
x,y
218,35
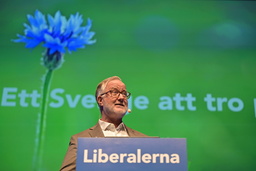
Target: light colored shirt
x,y
109,129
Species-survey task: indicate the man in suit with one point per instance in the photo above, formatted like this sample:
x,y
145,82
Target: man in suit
x,y
112,99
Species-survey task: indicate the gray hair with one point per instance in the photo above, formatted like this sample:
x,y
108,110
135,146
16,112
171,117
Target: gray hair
x,y
102,85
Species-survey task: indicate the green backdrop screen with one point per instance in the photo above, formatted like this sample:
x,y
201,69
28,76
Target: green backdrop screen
x,y
190,66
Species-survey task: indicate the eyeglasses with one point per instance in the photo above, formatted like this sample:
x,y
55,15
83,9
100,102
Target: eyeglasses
x,y
115,93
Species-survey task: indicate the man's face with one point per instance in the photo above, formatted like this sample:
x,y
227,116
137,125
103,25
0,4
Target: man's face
x,y
114,108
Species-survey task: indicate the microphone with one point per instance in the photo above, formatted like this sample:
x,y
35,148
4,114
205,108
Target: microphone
x,y
129,110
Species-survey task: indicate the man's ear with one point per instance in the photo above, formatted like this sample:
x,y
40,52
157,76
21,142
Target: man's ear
x,y
99,100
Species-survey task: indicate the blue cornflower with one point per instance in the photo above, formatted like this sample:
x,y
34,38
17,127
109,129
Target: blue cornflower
x,y
57,34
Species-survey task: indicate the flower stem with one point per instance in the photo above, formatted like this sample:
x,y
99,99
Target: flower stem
x,y
41,126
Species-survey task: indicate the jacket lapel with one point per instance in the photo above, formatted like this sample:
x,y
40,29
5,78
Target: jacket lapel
x,y
130,132
96,131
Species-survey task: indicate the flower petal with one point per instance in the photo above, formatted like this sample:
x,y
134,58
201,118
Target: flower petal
x,y
54,44
58,34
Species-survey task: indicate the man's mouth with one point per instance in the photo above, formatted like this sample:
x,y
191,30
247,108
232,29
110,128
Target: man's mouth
x,y
119,104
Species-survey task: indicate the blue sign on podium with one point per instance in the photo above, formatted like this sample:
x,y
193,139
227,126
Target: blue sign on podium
x,y
136,154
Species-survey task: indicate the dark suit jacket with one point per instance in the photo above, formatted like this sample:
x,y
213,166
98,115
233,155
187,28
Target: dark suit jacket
x,y
69,163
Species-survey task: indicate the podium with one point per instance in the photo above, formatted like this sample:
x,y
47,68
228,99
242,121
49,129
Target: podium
x,y
136,154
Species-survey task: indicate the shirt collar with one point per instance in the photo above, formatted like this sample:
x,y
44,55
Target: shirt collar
x,y
106,126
